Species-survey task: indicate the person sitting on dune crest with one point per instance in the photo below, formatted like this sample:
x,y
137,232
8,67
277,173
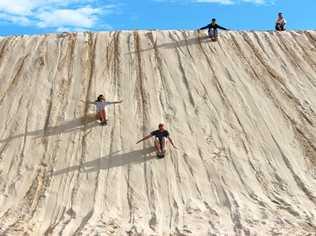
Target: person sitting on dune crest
x,y
101,107
212,29
280,22
161,135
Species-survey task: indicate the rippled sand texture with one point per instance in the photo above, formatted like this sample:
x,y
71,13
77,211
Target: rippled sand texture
x,y
241,112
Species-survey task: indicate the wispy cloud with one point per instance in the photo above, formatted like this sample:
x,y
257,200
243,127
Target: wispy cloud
x,y
56,14
16,19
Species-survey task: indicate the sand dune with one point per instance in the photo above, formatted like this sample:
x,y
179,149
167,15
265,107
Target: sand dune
x,y
241,112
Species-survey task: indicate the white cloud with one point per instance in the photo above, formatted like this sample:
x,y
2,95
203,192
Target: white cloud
x,y
57,14
26,7
18,7
82,17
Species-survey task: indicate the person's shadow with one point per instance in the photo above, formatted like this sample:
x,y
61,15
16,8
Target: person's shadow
x,y
111,161
85,122
175,44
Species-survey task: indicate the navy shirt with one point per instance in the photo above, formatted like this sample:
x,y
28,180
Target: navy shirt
x,y
213,26
160,135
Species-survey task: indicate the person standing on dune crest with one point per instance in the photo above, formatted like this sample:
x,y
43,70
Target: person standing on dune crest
x,y
280,22
161,136
212,29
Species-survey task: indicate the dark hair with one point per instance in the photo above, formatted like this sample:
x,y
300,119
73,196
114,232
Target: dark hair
x,y
99,97
160,125
213,19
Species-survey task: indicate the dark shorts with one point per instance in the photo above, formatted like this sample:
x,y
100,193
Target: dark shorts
x,y
279,27
212,33
161,141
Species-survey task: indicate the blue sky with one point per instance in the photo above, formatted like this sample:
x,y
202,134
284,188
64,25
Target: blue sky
x,y
44,16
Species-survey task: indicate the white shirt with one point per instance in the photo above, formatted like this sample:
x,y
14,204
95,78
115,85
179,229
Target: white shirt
x,y
102,105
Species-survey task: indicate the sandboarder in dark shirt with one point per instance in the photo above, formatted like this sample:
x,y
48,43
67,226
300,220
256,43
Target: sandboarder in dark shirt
x,y
280,22
212,29
161,135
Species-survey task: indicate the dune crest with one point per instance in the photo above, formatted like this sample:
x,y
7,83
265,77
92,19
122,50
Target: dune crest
x,y
242,112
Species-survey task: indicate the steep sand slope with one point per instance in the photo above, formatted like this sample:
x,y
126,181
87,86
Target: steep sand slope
x,y
241,112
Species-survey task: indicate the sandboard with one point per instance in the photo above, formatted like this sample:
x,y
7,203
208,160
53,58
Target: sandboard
x,y
102,123
161,154
214,39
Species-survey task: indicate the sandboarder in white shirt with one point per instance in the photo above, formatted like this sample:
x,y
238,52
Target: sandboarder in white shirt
x,y
101,108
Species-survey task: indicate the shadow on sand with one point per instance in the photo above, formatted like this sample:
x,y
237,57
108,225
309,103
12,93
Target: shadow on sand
x,y
181,43
111,161
86,122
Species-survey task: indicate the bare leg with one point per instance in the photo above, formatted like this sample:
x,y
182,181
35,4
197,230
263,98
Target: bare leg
x,y
163,145
102,116
99,116
157,146
105,117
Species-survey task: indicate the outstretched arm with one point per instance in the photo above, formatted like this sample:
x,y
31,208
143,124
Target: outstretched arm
x,y
220,27
116,102
143,139
88,102
205,27
170,140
